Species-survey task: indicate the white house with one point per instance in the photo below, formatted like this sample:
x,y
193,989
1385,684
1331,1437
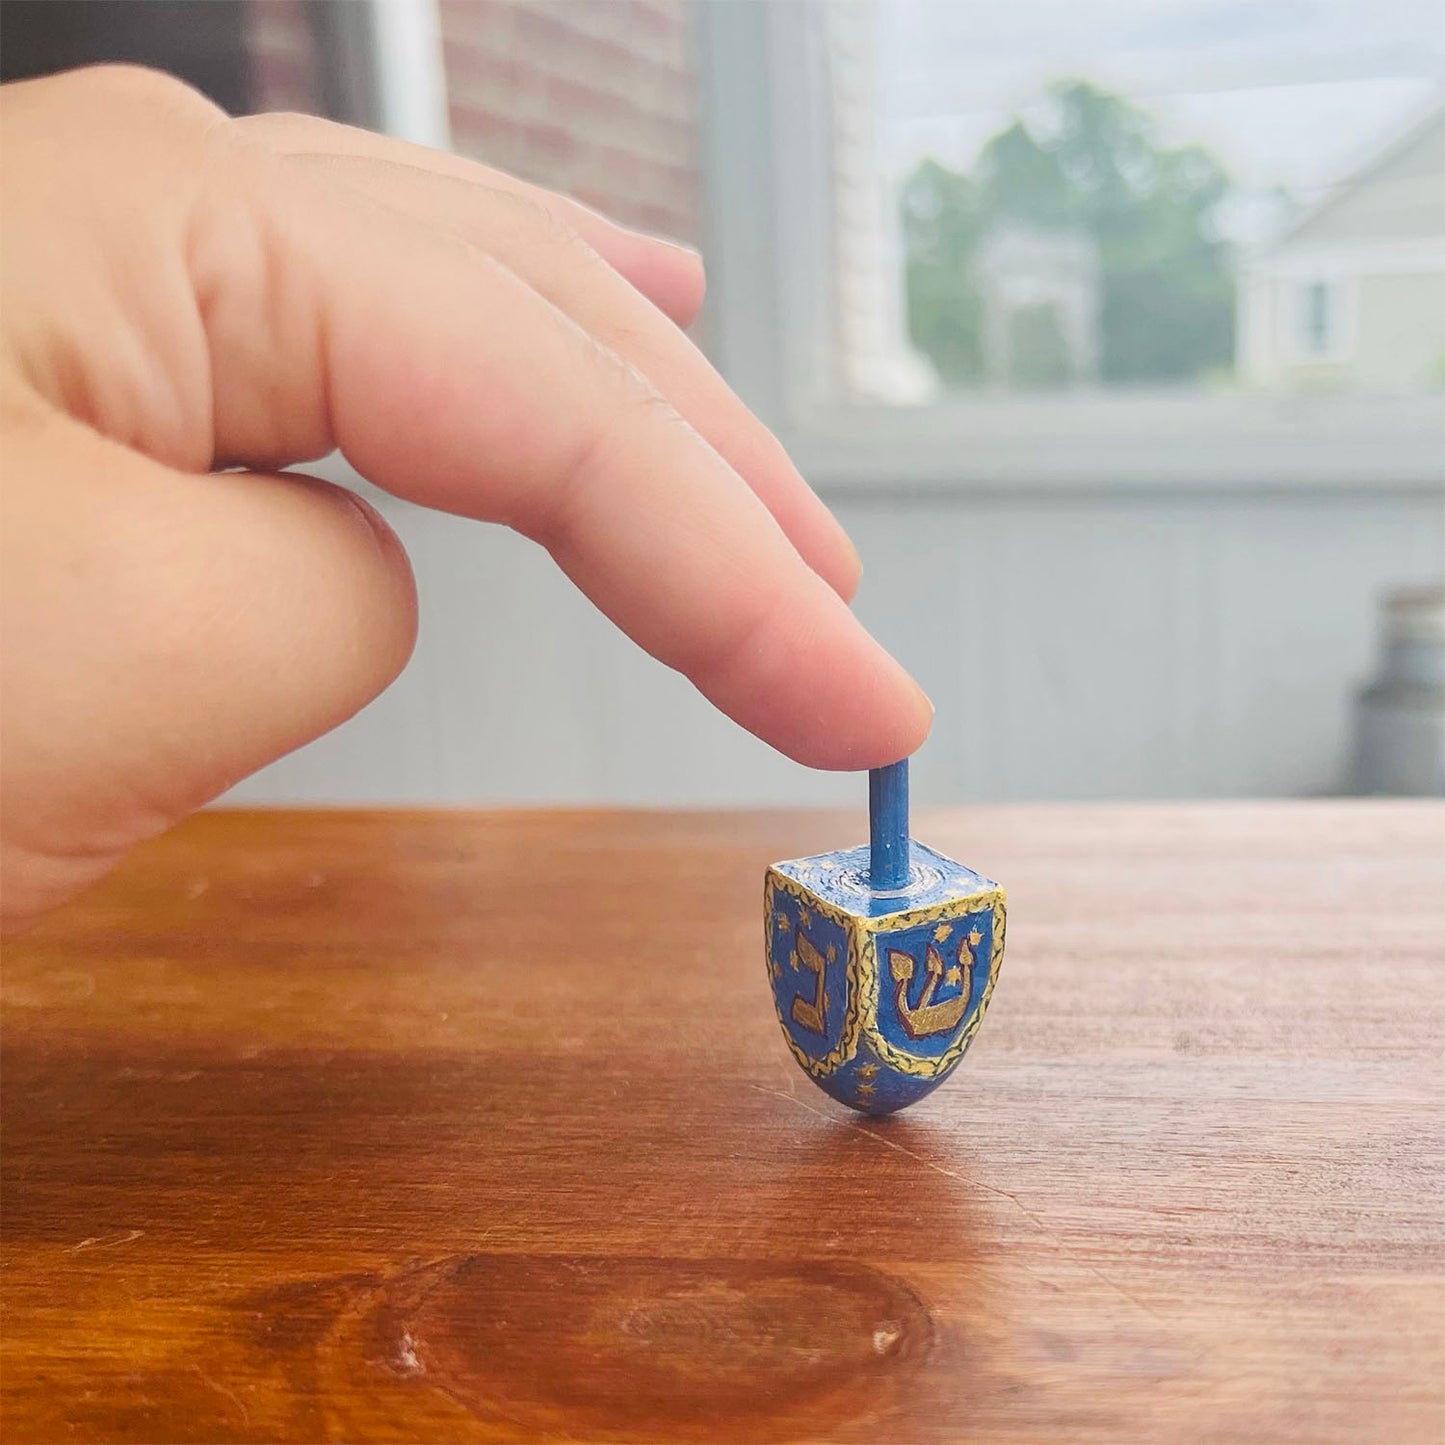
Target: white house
x,y
1023,271
1353,294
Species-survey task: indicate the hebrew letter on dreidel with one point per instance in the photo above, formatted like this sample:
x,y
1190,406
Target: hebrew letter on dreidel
x,y
810,1015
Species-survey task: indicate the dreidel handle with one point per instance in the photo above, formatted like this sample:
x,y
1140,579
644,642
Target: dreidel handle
x,y
888,862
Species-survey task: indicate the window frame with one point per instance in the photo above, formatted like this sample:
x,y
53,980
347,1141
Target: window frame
x,y
1340,309
409,73
766,150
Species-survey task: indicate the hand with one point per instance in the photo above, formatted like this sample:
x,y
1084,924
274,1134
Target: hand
x,y
181,292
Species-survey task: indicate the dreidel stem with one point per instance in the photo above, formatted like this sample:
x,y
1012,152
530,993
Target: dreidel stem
x,y
888,826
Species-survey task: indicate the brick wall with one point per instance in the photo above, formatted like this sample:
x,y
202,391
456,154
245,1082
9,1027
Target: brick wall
x,y
597,98
279,49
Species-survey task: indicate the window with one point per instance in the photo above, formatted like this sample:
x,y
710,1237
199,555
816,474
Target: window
x,y
1323,313
1083,242
1316,318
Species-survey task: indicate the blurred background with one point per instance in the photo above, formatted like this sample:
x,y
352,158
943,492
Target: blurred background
x,y
1113,330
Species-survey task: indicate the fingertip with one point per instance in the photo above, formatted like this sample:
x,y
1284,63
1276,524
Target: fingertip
x,y
829,553
669,273
814,684
675,278
693,283
895,731
887,717
921,724
847,569
897,725
816,534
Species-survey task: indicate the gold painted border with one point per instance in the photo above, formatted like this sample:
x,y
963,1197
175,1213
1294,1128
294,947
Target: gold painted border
x,y
912,1064
860,983
801,893
934,913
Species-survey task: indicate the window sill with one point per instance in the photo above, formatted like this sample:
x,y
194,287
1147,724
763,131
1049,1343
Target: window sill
x,y
1112,442
1083,445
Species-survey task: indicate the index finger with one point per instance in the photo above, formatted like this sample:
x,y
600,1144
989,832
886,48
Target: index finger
x,y
447,380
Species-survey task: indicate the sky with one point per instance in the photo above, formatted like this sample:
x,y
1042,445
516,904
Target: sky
x,y
1297,93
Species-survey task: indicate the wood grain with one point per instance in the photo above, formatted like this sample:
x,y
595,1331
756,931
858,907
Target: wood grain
x,y
480,1127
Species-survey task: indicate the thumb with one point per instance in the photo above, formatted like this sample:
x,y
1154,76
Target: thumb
x,y
164,635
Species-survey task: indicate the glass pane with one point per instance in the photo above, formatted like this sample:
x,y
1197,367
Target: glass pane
x,y
1076,194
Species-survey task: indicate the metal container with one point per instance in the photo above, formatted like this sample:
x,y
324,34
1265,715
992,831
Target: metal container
x,y
1400,716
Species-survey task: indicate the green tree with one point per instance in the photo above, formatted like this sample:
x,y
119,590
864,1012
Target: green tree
x,y
942,225
1088,162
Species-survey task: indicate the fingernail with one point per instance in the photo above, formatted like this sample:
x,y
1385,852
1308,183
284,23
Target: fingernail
x,y
673,242
691,252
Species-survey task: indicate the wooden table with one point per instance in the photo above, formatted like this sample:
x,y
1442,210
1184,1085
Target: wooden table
x,y
465,1127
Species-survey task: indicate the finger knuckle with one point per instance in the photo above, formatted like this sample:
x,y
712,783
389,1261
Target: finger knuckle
x,y
542,226
280,128
137,89
629,409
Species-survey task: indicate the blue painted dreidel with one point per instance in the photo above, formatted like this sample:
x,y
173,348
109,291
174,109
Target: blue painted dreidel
x,y
882,959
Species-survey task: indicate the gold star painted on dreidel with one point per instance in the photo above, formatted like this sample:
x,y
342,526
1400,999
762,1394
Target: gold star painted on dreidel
x,y
975,938
832,953
940,934
868,1072
865,1091
954,975
805,919
780,919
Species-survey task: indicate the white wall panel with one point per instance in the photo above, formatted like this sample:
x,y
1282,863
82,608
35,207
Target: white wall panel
x,y
1147,645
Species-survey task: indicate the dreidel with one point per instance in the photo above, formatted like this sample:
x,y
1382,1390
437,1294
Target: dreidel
x,y
882,958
